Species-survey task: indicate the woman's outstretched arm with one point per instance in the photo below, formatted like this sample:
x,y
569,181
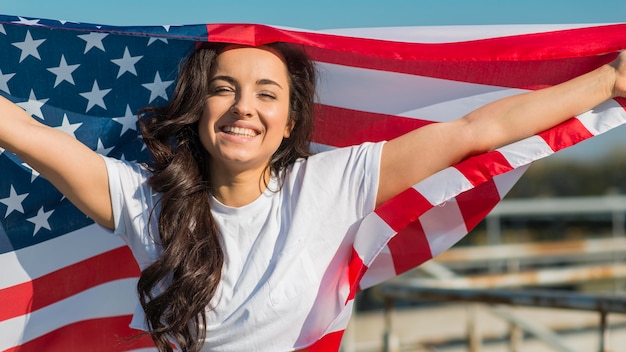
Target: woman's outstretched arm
x,y
410,158
77,171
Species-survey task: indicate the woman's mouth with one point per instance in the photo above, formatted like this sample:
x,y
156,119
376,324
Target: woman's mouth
x,y
239,131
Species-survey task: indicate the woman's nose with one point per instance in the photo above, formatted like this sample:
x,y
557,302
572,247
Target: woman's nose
x,y
243,106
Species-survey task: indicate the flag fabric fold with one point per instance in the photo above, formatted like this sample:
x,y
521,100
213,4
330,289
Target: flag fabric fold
x,y
69,285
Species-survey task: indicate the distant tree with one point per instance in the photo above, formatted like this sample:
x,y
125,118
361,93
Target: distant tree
x,y
548,178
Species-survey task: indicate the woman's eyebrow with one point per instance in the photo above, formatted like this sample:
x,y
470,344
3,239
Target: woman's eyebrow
x,y
260,82
225,78
265,81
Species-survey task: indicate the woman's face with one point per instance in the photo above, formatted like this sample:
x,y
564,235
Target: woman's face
x,y
246,113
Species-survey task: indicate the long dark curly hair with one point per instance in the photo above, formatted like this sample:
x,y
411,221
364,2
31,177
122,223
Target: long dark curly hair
x,y
177,288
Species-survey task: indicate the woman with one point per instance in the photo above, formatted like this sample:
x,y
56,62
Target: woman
x,y
240,236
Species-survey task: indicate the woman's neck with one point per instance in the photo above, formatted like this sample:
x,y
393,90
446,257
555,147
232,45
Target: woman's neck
x,y
239,189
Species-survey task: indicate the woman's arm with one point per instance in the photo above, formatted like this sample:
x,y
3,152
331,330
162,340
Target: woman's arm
x,y
410,158
77,171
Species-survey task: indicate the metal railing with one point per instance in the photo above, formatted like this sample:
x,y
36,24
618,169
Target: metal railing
x,y
602,304
443,284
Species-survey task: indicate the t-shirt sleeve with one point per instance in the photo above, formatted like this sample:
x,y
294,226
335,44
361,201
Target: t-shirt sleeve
x,y
132,202
348,176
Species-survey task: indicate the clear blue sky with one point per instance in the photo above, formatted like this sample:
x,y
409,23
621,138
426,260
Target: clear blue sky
x,y
321,14
326,14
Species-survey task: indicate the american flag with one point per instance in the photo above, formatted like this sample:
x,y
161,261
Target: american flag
x,y
66,284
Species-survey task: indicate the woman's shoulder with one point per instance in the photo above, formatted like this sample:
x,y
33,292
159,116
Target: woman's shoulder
x,y
324,153
126,168
335,165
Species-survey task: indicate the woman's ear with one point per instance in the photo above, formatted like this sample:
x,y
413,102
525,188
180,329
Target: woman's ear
x,y
289,127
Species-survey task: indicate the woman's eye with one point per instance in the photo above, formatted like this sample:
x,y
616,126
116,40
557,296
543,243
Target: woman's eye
x,y
221,90
267,95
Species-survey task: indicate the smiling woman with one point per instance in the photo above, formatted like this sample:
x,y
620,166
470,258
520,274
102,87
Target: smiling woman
x,y
245,241
240,115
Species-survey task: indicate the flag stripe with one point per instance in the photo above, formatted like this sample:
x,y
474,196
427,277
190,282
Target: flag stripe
x,y
330,342
45,290
25,264
409,247
76,336
406,95
340,127
534,46
112,299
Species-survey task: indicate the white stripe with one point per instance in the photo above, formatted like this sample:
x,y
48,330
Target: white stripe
x,y
477,95
505,182
382,268
447,34
403,94
442,235
603,117
109,300
525,151
38,260
379,234
443,185
341,321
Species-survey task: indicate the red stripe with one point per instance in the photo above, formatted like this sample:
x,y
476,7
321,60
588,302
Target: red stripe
x,y
342,127
43,291
566,134
97,335
403,209
514,74
356,269
329,342
477,202
409,248
481,168
548,45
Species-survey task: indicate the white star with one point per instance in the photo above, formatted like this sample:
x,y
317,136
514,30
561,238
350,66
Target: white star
x,y
33,105
127,63
94,40
157,88
14,202
22,20
128,121
96,96
167,27
29,47
143,145
63,72
4,79
101,149
154,39
69,128
33,173
2,29
41,220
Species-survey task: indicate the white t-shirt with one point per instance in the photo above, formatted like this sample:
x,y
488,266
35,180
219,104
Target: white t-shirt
x,y
285,276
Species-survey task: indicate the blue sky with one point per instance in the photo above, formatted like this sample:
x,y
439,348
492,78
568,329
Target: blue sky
x,y
326,14
321,14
